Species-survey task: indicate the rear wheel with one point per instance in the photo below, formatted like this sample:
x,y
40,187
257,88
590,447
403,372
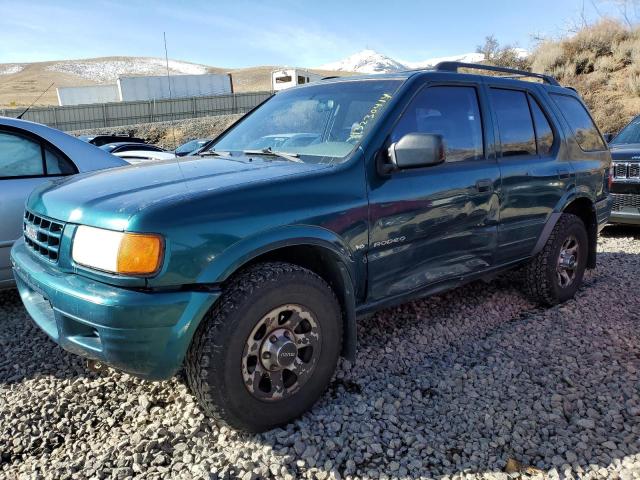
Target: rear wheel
x,y
555,274
267,350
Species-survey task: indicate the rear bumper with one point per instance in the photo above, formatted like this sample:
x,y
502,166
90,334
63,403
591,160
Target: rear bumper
x,y
143,333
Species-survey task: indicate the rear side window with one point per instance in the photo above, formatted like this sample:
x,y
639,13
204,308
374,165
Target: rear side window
x,y
22,156
580,121
517,135
544,132
19,156
452,112
57,164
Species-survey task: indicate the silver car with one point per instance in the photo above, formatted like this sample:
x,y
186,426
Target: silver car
x,y
31,154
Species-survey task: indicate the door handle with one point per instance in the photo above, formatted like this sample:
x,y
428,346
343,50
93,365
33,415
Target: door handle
x,y
563,173
484,185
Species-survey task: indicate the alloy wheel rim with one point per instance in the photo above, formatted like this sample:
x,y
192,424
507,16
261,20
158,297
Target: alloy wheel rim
x,y
567,265
281,352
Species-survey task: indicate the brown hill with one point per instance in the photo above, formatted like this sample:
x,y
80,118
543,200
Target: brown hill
x,y
20,84
602,62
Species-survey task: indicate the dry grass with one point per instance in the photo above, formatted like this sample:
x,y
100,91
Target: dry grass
x,y
602,62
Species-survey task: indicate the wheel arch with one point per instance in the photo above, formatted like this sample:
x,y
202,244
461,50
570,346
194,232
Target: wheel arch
x,y
584,208
314,248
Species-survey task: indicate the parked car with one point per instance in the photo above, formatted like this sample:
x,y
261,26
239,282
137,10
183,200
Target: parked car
x,y
250,271
30,155
625,150
121,147
99,140
139,156
190,147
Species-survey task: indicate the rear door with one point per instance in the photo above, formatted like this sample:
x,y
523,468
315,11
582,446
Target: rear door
x,y
24,164
534,176
436,223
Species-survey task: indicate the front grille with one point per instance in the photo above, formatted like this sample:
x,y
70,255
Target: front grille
x,y
625,200
42,235
623,171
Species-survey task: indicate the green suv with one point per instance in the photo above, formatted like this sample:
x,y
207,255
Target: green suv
x,y
248,265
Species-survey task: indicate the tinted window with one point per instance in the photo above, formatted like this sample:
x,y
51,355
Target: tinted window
x,y
57,164
452,112
544,132
584,129
19,156
514,120
629,134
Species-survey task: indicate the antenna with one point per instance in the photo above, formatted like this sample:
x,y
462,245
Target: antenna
x,y
166,58
19,117
173,124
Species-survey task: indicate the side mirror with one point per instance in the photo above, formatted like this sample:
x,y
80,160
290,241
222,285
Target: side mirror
x,y
608,137
416,150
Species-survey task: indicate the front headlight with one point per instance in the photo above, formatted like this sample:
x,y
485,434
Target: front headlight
x,y
117,252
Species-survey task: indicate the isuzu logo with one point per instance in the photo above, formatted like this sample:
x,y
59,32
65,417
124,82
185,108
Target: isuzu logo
x,y
31,232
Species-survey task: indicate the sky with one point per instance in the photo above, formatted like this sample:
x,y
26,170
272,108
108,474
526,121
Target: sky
x,y
303,33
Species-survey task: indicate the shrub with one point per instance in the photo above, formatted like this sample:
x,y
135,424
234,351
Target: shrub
x,y
607,64
633,83
598,38
548,57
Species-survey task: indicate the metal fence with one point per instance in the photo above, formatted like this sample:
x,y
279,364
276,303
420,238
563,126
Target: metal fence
x,y
79,117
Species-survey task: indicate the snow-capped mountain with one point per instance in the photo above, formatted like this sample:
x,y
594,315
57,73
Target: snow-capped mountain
x,y
108,69
370,61
366,61
431,62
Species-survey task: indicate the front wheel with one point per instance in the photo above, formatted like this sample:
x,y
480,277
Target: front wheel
x,y
266,352
555,274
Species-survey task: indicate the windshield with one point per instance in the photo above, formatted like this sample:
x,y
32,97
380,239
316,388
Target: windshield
x,y
318,123
629,134
190,146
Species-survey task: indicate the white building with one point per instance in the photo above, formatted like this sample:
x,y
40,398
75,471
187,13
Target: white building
x,y
148,88
290,77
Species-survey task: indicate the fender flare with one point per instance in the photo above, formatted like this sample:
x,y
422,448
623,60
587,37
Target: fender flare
x,y
248,249
553,218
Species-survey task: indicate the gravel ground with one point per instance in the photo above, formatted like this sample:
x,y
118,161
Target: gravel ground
x,y
475,383
169,135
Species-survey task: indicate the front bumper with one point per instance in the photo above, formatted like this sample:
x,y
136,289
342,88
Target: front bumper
x,y
625,218
140,332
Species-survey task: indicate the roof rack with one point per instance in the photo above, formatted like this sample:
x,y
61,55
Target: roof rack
x,y
454,66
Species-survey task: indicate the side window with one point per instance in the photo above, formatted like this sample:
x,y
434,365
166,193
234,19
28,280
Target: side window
x,y
450,111
19,156
544,132
517,136
579,120
57,164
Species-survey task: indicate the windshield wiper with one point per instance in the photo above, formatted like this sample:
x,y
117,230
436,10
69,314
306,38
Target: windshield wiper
x,y
292,157
213,153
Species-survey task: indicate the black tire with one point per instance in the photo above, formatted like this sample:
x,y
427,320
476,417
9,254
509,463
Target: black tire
x,y
215,360
540,276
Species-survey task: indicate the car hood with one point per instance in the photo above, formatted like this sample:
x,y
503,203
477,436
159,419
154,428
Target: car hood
x,y
109,198
627,151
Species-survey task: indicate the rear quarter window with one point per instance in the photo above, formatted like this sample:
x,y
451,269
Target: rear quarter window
x,y
582,126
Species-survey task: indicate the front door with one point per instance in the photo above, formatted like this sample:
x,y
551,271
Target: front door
x,y
437,223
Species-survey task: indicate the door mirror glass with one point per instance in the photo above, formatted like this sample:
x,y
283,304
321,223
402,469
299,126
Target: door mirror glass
x,y
416,150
